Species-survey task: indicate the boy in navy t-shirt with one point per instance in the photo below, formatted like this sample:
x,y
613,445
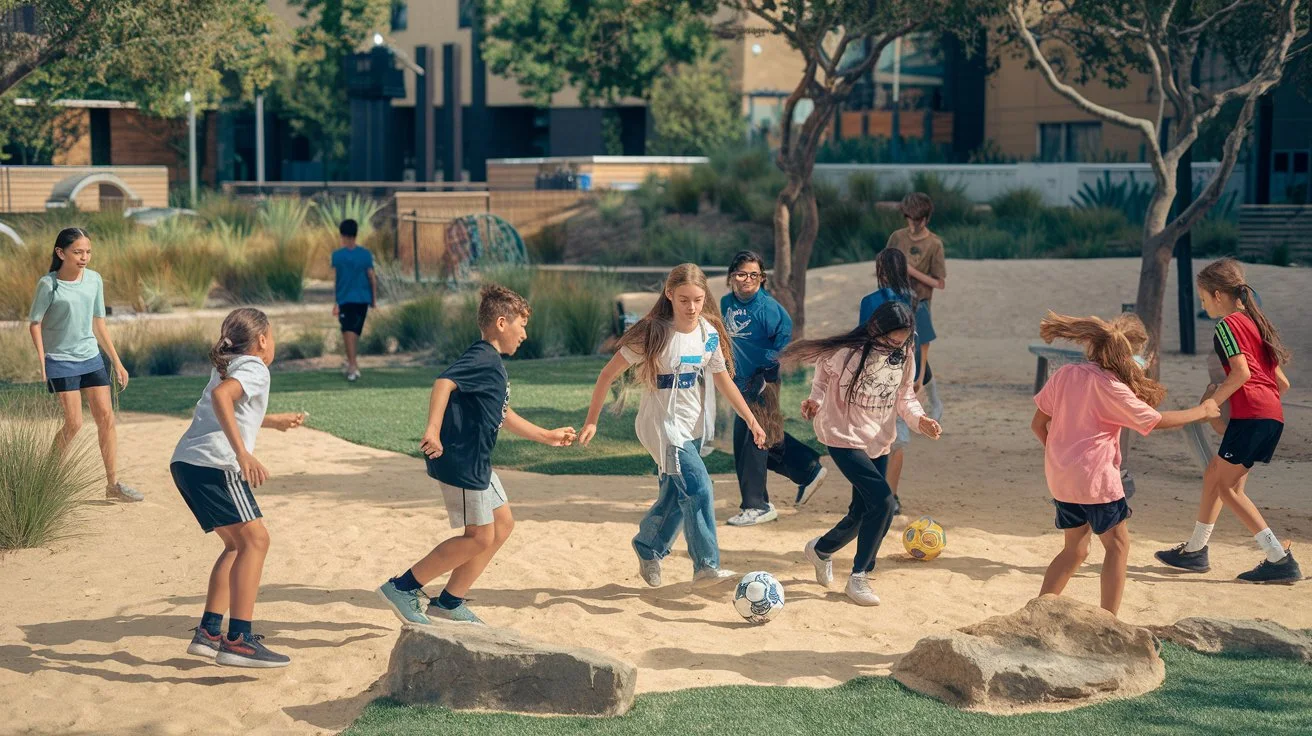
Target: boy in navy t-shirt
x,y
357,291
469,404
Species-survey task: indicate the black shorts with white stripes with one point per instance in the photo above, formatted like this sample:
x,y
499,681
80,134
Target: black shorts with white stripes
x,y
216,497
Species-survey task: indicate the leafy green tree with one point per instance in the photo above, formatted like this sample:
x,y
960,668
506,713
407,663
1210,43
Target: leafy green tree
x,y
1072,42
696,109
311,89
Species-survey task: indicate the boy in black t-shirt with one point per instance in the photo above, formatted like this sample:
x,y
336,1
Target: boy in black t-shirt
x,y
469,403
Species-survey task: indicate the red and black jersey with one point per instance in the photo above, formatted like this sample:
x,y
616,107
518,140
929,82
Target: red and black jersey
x,y
1259,397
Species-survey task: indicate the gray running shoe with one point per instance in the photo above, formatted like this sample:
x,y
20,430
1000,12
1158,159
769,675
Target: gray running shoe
x,y
247,651
752,517
405,604
460,614
709,577
650,572
120,492
204,645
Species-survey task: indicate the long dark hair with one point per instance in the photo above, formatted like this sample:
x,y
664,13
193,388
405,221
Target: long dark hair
x,y
1227,277
888,317
66,238
241,328
891,272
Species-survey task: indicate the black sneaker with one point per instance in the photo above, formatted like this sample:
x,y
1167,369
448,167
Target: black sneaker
x,y
1178,558
897,505
247,651
1284,572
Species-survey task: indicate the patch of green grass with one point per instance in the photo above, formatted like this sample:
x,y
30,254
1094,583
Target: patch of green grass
x,y
1202,694
387,409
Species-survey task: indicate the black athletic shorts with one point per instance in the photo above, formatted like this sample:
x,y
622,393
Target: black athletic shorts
x,y
216,497
1099,516
351,317
1249,441
98,377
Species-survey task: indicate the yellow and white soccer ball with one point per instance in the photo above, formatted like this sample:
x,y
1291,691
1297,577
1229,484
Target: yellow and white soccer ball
x,y
924,539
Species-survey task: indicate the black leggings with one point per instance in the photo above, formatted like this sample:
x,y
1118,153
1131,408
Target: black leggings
x,y
791,458
870,513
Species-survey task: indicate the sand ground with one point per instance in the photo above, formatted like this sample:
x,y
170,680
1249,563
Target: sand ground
x,y
93,632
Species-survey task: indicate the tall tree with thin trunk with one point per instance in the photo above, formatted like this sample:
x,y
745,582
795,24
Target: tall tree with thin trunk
x,y
1248,44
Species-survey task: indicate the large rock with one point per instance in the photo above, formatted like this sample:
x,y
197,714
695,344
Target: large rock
x,y
469,667
1238,636
1053,654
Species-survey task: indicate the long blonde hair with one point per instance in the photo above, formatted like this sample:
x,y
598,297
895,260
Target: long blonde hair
x,y
1109,345
1227,277
652,334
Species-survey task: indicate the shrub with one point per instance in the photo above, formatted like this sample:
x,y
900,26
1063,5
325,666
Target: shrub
x,y
670,244
41,487
18,363
305,345
548,244
683,195
1086,233
1215,238
283,217
1130,197
987,242
20,268
610,205
221,210
156,349
951,206
863,188
1022,203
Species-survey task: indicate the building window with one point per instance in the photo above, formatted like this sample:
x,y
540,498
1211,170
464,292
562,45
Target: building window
x,y
400,16
100,137
1070,141
1290,177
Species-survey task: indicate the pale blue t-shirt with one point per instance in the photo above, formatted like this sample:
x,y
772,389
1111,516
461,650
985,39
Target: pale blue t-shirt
x,y
65,310
352,266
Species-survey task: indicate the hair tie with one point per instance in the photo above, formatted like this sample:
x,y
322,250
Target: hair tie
x,y
225,342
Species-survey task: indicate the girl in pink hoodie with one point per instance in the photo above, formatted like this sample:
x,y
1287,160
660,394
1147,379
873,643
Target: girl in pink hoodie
x,y
863,380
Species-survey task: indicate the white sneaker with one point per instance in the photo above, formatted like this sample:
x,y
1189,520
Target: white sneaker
x,y
120,492
650,572
353,376
752,517
804,493
858,589
824,569
709,577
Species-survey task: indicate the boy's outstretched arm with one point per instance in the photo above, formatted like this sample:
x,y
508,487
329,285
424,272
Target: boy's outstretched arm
x,y
609,373
562,437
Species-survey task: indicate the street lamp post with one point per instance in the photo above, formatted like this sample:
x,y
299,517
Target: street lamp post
x,y
259,141
191,143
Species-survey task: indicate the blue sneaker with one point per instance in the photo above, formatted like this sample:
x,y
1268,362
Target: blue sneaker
x,y
460,614
405,604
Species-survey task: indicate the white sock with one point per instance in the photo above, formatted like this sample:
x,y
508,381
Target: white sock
x,y
1202,533
1266,539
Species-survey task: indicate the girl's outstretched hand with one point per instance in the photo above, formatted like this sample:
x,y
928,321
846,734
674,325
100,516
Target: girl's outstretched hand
x,y
810,408
929,427
562,437
284,422
1210,408
758,435
589,431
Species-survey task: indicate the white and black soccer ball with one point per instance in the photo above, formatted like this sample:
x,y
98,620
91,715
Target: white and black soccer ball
x,y
759,597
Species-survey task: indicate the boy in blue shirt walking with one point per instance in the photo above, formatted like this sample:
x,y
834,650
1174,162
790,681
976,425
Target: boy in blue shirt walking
x,y
759,329
357,290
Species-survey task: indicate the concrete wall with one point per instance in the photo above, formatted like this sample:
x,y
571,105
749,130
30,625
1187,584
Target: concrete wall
x,y
27,188
607,172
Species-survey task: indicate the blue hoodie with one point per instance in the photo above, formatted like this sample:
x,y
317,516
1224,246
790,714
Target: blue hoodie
x,y
759,330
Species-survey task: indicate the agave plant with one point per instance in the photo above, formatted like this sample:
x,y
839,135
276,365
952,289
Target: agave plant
x,y
284,217
1129,196
351,207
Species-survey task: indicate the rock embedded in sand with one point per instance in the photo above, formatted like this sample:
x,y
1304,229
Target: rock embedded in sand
x,y
1054,654
469,667
1238,636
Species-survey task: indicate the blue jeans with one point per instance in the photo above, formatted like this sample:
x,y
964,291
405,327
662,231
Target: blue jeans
x,y
686,499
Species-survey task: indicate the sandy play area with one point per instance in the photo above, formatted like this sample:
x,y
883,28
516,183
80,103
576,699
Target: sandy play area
x,y
93,632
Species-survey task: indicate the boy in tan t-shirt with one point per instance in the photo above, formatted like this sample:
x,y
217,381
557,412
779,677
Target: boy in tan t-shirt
x,y
927,267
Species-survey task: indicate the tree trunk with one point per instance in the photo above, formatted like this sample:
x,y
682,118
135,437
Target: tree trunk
x,y
1150,300
791,258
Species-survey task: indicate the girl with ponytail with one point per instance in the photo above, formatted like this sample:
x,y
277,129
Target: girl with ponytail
x,y
215,470
67,324
1252,354
1078,420
673,349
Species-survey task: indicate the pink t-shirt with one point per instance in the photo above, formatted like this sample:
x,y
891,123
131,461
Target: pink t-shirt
x,y
883,391
1088,407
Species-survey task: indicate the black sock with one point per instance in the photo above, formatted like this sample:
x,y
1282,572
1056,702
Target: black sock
x,y
212,623
448,601
406,582
237,627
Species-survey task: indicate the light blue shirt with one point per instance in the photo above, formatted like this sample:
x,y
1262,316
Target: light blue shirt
x,y
353,266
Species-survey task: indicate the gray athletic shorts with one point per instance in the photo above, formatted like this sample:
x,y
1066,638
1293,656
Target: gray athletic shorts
x,y
468,507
